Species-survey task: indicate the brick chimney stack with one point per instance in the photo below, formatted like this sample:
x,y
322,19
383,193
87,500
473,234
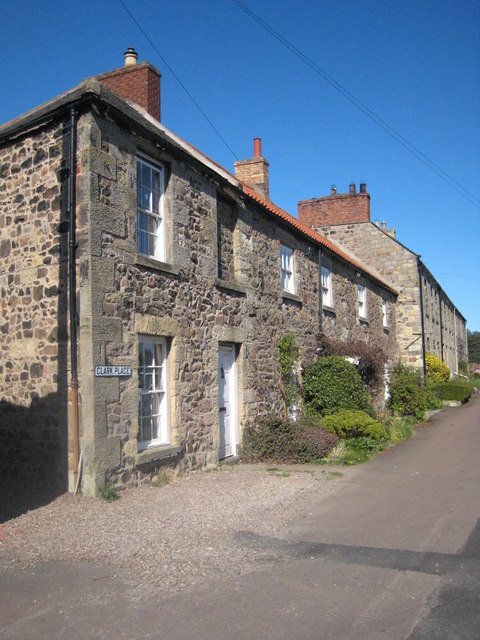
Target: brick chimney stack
x,y
255,171
337,208
139,83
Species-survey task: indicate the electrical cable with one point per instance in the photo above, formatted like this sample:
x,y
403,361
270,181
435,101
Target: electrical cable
x,y
179,81
364,108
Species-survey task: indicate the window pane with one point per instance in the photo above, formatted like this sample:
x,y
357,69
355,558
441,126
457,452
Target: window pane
x,y
148,380
146,177
145,199
146,429
156,192
148,348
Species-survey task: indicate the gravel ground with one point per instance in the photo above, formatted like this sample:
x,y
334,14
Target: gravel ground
x,y
173,536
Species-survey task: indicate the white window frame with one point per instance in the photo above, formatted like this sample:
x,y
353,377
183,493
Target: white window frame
x,y
384,313
287,263
152,389
327,298
362,300
150,209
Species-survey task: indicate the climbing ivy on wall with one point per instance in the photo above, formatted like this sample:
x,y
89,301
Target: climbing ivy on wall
x,y
289,352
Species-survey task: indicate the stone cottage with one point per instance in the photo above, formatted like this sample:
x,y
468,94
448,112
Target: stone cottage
x,y
145,288
426,318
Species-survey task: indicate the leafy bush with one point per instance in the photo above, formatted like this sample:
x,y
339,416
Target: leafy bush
x,y
371,358
458,390
408,395
435,370
332,383
281,440
433,401
354,424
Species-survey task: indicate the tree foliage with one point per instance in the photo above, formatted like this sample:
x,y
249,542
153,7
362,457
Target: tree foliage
x,y
474,346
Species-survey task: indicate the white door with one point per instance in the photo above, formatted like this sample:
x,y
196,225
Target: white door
x,y
227,400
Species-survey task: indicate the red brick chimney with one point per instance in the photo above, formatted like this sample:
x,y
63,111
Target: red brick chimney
x,y
139,83
255,171
337,208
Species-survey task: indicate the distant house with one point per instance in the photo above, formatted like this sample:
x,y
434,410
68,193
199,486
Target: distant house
x,y
426,318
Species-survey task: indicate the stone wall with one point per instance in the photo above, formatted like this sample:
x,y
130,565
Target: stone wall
x,y
345,305
33,324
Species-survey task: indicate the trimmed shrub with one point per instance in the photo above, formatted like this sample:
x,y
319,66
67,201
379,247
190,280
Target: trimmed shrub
x,y
281,440
435,370
458,390
408,395
332,383
314,444
354,424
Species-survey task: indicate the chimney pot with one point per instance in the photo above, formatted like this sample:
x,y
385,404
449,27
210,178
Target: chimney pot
x,y
257,147
131,57
352,187
384,225
363,187
333,189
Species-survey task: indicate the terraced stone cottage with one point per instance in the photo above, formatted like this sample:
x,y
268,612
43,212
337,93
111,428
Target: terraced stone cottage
x,y
145,288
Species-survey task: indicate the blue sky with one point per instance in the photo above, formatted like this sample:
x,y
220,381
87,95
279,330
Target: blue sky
x,y
415,63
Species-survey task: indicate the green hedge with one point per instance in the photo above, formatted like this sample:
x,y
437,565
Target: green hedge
x,y
454,390
346,423
332,383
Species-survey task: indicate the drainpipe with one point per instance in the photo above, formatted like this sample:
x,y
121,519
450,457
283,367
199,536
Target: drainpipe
x,y
320,292
455,335
421,316
72,286
441,322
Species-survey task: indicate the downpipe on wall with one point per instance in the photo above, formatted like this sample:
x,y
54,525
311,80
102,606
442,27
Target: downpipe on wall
x,y
72,287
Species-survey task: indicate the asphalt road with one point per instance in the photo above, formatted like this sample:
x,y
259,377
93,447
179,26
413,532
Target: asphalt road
x,y
393,554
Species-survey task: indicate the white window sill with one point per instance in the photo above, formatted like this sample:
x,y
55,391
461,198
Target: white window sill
x,y
363,320
156,453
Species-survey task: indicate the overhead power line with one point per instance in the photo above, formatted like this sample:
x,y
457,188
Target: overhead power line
x,y
364,108
178,80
